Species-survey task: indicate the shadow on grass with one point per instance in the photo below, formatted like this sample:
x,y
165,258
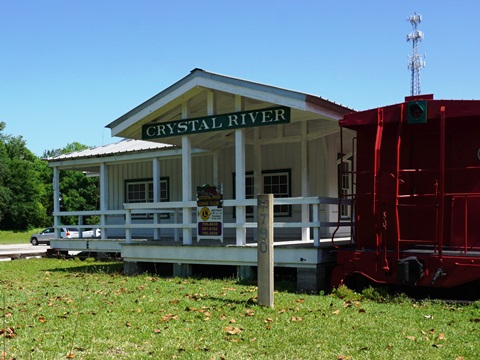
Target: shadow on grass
x,y
284,278
86,267
465,293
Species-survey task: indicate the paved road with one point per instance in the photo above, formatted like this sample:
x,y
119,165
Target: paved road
x,y
22,250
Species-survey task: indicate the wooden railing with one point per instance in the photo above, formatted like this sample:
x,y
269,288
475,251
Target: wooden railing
x,y
177,208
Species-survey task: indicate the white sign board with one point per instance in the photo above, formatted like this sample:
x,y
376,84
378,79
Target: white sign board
x,y
209,213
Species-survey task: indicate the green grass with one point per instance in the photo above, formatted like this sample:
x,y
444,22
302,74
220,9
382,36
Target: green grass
x,y
58,309
17,237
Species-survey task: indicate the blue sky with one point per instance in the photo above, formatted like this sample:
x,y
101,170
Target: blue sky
x,y
68,68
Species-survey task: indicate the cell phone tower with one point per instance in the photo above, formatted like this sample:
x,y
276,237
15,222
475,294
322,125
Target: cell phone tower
x,y
415,61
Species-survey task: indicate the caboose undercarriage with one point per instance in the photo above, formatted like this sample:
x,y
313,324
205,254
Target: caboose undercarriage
x,y
417,267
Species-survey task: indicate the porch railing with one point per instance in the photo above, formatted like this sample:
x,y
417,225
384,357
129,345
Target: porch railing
x,y
313,213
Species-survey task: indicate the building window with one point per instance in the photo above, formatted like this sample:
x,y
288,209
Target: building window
x,y
137,192
249,190
141,191
345,185
276,182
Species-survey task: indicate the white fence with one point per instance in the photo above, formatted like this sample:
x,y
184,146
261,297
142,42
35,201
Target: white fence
x,y
311,207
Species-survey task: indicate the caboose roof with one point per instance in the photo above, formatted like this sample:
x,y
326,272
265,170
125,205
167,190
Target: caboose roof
x,y
394,113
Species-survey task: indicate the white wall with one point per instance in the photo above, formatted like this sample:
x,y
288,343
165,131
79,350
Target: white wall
x,y
322,162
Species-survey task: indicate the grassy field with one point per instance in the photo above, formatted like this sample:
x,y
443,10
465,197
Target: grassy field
x,y
17,237
66,309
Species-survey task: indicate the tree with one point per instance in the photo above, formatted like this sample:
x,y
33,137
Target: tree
x,y
75,146
21,190
26,192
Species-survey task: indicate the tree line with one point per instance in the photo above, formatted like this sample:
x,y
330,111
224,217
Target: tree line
x,y
26,186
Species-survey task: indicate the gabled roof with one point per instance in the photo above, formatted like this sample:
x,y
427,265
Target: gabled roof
x,y
195,88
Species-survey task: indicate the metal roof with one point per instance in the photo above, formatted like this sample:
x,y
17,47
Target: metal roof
x,y
122,147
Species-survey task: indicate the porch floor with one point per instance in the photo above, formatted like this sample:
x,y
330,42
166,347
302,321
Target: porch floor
x,y
227,241
116,244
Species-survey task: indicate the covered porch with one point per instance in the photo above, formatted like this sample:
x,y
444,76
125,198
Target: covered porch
x,y
242,137
311,259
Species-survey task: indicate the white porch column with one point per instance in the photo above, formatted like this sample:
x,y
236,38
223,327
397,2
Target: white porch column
x,y
240,184
211,110
305,181
156,195
216,180
257,176
103,199
240,177
187,187
186,180
56,200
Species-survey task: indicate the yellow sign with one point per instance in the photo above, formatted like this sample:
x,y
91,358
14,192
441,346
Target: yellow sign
x,y
205,213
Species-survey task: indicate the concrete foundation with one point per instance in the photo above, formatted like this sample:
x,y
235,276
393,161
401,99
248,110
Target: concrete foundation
x,y
246,273
309,280
182,270
313,280
131,268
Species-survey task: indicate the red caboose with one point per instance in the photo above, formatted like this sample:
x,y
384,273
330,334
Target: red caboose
x,y
417,194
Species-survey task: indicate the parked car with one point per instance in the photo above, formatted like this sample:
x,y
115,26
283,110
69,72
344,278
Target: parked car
x,y
89,233
48,233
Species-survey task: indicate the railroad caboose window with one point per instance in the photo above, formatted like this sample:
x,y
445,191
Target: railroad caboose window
x,y
276,182
345,185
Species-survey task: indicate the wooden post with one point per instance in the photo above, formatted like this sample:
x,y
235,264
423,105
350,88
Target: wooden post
x,y
57,220
128,222
156,196
265,249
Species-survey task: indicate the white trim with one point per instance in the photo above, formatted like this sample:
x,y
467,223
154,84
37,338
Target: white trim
x,y
149,112
156,180
156,194
56,189
305,180
240,178
103,196
56,199
186,180
240,182
257,173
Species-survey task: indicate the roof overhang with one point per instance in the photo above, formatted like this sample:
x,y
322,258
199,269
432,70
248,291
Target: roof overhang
x,y
125,151
203,93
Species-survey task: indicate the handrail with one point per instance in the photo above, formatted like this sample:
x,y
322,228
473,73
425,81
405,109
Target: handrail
x,y
176,207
